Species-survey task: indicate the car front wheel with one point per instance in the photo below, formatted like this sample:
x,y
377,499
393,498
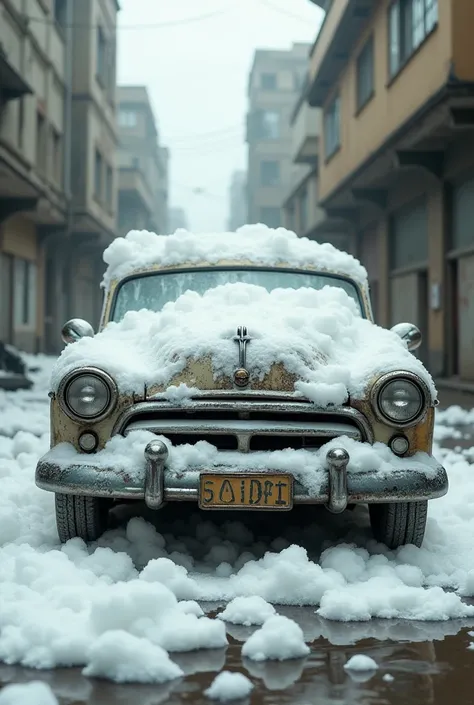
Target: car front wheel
x,y
82,517
399,523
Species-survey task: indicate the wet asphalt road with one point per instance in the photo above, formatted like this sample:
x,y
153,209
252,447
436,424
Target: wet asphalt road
x,y
430,663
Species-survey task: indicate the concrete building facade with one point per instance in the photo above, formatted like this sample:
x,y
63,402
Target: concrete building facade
x,y
143,165
32,198
275,82
58,149
395,82
238,206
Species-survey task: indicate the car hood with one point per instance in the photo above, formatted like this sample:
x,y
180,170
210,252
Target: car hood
x,y
311,342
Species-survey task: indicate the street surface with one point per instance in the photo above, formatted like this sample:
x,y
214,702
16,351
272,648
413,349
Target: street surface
x,y
426,660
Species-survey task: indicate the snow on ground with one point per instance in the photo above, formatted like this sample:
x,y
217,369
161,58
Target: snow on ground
x,y
360,662
278,639
257,243
65,605
317,335
252,610
34,693
229,686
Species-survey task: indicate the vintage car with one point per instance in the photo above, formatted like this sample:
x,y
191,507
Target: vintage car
x,y
240,371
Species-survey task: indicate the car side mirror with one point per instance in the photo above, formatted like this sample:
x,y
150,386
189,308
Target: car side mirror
x,y
410,333
75,329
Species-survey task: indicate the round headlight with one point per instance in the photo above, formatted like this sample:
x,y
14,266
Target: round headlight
x,y
400,401
88,395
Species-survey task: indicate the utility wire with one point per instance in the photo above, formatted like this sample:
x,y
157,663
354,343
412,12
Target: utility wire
x,y
282,11
139,27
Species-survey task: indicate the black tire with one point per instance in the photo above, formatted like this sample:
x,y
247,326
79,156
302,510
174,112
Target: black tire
x,y
399,523
83,517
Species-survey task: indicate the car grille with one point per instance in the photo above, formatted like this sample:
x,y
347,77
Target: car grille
x,y
246,426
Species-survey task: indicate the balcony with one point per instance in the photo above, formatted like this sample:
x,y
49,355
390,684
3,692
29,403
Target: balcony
x,y
12,85
341,27
305,131
132,182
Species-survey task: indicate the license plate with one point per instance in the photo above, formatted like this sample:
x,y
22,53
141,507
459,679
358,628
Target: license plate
x,y
238,491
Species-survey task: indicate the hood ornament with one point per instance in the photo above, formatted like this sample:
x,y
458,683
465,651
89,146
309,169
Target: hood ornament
x,y
242,375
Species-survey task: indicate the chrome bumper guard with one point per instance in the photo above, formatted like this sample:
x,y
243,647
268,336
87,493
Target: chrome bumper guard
x,y
338,488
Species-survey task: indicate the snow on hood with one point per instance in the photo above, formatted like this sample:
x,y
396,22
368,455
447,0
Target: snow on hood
x,y
257,243
317,335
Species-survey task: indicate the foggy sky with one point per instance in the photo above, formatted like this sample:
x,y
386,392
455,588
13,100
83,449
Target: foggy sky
x,y
196,74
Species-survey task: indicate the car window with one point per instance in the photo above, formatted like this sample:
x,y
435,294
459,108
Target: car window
x,y
154,291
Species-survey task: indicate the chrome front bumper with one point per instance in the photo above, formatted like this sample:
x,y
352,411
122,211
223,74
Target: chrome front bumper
x,y
156,486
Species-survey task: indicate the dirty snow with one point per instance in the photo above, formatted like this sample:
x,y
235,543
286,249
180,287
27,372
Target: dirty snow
x,y
256,243
34,693
126,454
229,686
317,335
361,663
58,604
252,610
278,639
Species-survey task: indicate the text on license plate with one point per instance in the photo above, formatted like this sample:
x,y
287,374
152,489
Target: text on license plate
x,y
238,491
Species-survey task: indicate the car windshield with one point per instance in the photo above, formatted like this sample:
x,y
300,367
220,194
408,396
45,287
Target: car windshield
x,y
153,291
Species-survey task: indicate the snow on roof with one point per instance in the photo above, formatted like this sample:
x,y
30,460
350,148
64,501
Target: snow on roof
x,y
317,335
258,243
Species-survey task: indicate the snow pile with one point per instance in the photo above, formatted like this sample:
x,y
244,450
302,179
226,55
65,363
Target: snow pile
x,y
229,686
317,335
361,663
124,658
64,605
247,611
126,454
455,416
256,243
278,639
34,693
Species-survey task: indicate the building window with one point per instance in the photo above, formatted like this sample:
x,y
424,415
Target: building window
x,y
41,147
271,124
56,156
410,22
21,121
270,217
101,56
98,175
365,74
108,186
332,127
60,12
25,292
268,81
269,173
127,118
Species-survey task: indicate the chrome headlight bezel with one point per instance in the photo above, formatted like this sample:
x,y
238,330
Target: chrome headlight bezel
x,y
70,377
401,376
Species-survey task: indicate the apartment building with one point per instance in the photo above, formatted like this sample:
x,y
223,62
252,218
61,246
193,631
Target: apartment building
x,y
57,164
32,198
275,82
143,165
237,201
301,212
395,82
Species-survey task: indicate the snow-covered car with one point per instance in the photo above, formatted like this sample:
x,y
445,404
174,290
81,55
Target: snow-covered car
x,y
240,371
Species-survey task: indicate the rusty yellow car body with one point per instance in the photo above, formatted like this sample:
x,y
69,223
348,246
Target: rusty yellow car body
x,y
84,493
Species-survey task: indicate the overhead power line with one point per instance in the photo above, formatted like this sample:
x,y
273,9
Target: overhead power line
x,y
282,11
223,132
136,27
